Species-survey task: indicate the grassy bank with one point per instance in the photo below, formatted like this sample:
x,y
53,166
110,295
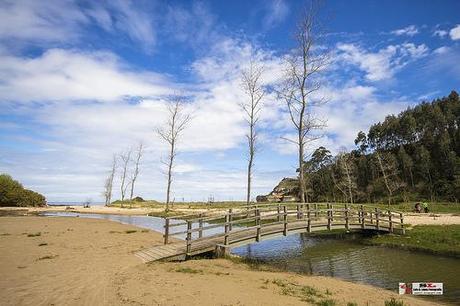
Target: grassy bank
x,y
434,207
435,239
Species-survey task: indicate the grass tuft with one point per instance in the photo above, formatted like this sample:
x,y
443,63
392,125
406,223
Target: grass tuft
x,y
34,235
48,257
394,302
188,270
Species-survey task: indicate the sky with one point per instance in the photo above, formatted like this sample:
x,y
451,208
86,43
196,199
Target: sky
x,y
81,81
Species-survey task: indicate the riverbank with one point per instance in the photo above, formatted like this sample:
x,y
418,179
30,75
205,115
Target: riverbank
x,y
433,239
76,261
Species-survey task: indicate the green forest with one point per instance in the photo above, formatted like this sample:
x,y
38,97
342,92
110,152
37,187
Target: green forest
x,y
412,156
12,193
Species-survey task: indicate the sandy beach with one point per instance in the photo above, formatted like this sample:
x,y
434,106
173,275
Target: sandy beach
x,y
77,261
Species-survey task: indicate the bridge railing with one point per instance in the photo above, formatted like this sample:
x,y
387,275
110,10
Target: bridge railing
x,y
255,218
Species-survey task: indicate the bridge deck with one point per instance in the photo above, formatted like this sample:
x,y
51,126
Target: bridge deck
x,y
245,235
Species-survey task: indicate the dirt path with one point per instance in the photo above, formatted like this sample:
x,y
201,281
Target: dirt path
x,y
432,219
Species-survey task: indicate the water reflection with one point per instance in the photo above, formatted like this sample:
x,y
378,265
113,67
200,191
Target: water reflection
x,y
353,261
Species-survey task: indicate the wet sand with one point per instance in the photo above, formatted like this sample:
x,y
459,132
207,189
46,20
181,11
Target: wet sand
x,y
77,261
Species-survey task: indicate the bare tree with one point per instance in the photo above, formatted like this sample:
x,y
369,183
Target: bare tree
x,y
137,160
125,159
347,183
301,82
170,133
252,86
389,170
108,186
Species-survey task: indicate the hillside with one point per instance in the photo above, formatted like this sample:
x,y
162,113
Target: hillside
x,y
414,155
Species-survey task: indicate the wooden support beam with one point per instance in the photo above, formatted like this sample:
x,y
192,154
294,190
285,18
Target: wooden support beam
x,y
377,219
258,225
390,221
279,213
329,216
401,217
226,229
200,226
166,235
230,219
285,219
347,221
189,237
362,217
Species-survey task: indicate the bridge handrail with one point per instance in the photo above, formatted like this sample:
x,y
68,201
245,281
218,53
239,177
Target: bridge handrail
x,y
283,213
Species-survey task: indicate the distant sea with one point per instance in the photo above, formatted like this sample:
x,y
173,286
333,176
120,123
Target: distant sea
x,y
70,203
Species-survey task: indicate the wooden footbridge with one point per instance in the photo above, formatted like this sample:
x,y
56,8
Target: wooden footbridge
x,y
218,232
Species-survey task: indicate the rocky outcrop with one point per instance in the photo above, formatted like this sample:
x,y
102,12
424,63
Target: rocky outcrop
x,y
286,191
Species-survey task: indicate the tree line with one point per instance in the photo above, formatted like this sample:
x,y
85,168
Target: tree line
x,y
414,155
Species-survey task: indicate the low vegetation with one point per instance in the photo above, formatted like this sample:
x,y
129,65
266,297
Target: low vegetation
x,y
434,239
12,193
305,293
394,302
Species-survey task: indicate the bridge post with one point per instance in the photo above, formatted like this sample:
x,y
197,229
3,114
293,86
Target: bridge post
x,y
166,235
200,226
377,223
298,211
189,237
279,213
362,220
329,216
308,219
390,221
347,222
308,211
226,230
230,219
258,225
316,210
403,230
285,220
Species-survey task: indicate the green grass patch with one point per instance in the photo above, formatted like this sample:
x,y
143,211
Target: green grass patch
x,y
38,234
304,293
394,302
435,239
352,304
188,270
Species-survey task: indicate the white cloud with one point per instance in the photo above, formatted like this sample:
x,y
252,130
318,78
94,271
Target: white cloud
x,y
276,11
440,33
455,33
57,22
382,64
409,31
66,75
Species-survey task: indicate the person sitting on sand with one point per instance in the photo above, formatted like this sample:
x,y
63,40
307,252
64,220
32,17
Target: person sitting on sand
x,y
425,207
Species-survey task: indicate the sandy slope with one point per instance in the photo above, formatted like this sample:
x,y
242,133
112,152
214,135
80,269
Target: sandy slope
x,y
90,262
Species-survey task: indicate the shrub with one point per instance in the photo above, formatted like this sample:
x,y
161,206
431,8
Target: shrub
x,y
138,199
12,193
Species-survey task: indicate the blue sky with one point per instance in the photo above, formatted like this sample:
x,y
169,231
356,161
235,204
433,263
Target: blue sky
x,y
83,80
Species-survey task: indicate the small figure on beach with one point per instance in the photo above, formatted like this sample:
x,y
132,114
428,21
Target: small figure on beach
x,y
418,208
425,207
